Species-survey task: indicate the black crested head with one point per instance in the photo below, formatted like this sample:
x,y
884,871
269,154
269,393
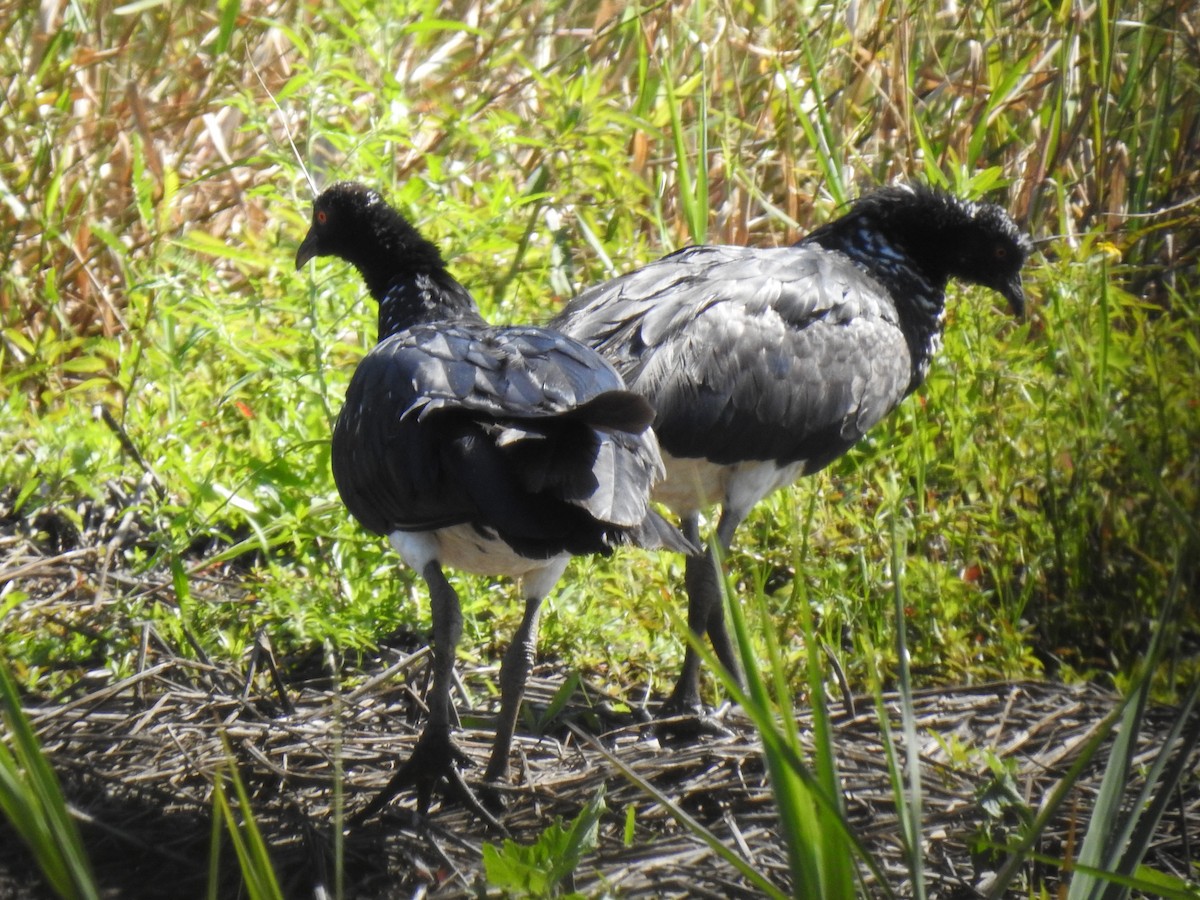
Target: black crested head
x,y
353,222
943,236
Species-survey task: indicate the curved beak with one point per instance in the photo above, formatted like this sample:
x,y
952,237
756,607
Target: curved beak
x,y
307,249
1015,295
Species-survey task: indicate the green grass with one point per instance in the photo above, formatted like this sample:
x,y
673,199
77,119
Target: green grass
x,y
253,856
145,273
150,207
32,802
1050,462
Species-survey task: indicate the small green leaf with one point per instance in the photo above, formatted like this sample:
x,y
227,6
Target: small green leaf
x,y
1164,883
559,701
229,15
179,579
85,364
143,181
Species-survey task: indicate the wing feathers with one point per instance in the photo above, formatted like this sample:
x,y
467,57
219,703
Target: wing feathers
x,y
751,354
520,431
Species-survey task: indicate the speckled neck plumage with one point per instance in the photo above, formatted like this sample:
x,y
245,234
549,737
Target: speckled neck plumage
x,y
909,239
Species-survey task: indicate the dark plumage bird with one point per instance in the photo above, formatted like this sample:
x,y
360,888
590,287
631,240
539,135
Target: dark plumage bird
x,y
767,364
496,450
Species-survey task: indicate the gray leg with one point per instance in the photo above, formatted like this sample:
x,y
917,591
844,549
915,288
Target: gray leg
x,y
435,757
717,632
447,632
518,660
706,613
699,579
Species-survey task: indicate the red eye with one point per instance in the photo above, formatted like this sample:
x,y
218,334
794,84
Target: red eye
x,y
322,217
1001,253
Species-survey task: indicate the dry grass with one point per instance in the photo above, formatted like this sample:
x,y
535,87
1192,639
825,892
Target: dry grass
x,y
139,756
122,130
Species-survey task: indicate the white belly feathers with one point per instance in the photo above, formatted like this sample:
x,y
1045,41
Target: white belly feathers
x,y
692,485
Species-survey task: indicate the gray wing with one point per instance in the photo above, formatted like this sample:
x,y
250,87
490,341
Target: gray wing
x,y
518,372
784,354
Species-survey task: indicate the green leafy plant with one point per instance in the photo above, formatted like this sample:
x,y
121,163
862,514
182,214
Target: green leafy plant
x,y
1006,813
541,869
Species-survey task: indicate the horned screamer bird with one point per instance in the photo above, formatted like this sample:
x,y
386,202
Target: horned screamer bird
x,y
764,365
496,450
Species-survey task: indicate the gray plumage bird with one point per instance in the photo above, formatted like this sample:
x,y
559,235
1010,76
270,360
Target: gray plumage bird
x,y
764,365
495,450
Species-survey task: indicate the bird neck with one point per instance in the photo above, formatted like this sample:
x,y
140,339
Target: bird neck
x,y
918,292
406,275
413,298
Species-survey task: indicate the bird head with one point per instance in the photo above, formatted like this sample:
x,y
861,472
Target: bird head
x,y
352,222
989,249
344,218
944,236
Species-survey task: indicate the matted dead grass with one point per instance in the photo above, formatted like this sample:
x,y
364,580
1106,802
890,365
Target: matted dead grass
x,y
139,756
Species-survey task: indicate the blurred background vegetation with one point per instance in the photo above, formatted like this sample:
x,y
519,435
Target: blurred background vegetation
x,y
1046,476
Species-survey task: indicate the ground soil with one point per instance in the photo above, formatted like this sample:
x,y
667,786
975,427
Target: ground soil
x,y
139,756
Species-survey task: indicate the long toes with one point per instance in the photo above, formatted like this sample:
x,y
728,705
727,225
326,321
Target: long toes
x,y
403,778
435,760
459,790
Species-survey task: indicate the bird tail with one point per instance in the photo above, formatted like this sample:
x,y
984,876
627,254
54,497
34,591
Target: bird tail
x,y
614,411
656,533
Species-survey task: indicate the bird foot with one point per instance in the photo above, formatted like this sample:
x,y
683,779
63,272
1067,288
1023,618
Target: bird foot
x,y
435,759
681,703
685,718
493,796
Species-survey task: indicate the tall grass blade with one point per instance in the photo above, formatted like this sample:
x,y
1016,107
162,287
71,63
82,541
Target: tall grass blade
x,y
820,843
692,185
838,873
32,801
800,796
258,874
823,138
1022,851
907,802
1102,848
229,10
797,813
1108,846
214,850
1159,788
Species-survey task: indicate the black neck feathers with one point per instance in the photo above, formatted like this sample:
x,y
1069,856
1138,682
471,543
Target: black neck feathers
x,y
403,271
